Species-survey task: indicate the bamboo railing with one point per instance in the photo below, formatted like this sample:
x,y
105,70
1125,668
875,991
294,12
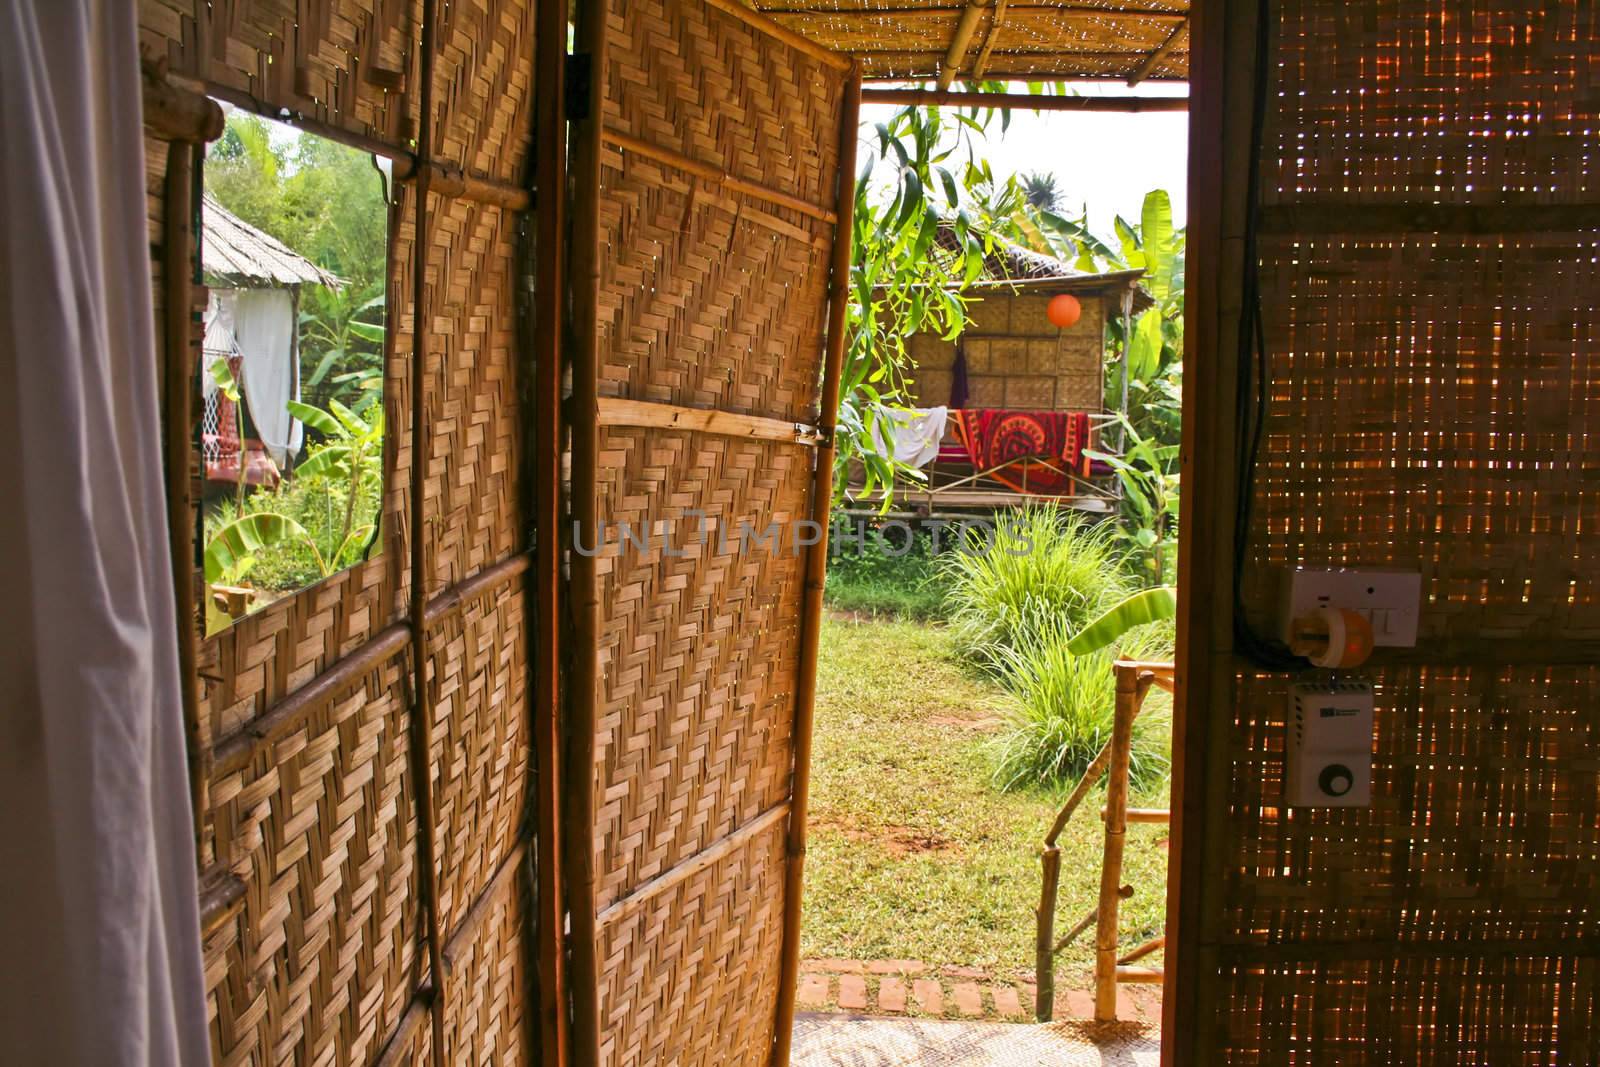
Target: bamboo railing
x,y
1134,681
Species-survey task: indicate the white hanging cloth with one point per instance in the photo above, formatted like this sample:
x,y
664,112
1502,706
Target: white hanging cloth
x,y
263,328
218,344
99,912
916,433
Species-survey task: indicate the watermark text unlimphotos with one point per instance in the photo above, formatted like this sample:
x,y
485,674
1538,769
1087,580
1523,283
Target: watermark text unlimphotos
x,y
679,536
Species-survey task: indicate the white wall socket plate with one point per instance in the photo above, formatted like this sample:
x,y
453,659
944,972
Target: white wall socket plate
x,y
1390,600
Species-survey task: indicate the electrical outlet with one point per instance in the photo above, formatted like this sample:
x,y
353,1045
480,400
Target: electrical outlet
x,y
1390,600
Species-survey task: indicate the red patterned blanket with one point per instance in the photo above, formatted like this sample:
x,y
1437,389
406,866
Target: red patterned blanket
x,y
1036,449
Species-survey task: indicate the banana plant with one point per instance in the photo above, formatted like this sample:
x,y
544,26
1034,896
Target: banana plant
x,y
1148,473
349,455
348,344
1147,606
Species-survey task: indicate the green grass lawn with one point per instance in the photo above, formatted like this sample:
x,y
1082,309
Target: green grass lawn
x,y
913,854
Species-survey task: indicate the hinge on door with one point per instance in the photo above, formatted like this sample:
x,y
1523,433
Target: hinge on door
x,y
578,71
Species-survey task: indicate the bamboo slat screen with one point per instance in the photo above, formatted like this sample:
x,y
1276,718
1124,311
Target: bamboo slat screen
x,y
718,175
1434,406
312,803
907,39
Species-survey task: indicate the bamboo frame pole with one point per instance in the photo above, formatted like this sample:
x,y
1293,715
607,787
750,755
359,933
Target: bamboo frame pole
x,y
237,749
177,304
817,563
960,41
1105,963
1044,953
174,112
583,686
1155,944
1024,101
550,191
1161,52
1223,65
989,40
423,704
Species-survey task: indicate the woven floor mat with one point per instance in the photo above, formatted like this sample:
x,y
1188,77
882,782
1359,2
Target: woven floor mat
x,y
822,1040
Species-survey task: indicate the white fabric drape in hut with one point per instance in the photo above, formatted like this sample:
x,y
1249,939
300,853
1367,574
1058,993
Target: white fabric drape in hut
x,y
263,327
99,915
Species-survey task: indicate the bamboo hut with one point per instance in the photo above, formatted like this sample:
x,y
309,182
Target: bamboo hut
x,y
485,799
1012,366
251,323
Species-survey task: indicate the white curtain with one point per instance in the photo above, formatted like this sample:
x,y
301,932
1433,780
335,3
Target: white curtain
x,y
99,924
263,327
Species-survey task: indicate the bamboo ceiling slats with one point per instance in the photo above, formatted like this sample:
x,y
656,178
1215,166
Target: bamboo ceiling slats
x,y
314,810
1428,271
912,39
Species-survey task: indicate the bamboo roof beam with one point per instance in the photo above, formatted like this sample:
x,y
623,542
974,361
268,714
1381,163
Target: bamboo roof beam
x,y
1154,58
1024,101
988,42
959,42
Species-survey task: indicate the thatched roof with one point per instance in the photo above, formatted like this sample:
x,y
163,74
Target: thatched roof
x,y
907,39
1011,264
232,250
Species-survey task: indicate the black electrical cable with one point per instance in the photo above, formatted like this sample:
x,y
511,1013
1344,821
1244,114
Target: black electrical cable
x,y
1253,369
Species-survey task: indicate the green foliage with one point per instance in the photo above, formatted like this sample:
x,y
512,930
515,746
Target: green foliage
x,y
233,546
1047,568
1015,612
1142,608
1144,443
877,582
905,278
1150,496
316,523
1065,707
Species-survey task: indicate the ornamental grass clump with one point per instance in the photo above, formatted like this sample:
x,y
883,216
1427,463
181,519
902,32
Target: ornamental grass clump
x,y
1043,570
1065,705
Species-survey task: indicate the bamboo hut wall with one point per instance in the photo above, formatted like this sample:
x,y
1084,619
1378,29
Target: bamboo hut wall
x,y
1428,276
718,179
311,803
1015,358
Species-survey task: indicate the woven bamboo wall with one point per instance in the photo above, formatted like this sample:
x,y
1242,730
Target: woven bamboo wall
x,y
1015,358
717,183
312,803
1428,273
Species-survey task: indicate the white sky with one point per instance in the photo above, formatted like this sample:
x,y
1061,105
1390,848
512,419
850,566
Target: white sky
x,y
1107,160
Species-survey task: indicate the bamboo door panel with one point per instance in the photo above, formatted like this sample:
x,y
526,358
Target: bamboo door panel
x,y
718,179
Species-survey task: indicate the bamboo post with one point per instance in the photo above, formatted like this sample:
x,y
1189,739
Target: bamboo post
x,y
550,128
583,684
817,562
1044,951
423,705
1224,68
1105,963
177,296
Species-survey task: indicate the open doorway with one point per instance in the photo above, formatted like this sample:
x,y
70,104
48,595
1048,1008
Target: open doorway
x,y
1005,532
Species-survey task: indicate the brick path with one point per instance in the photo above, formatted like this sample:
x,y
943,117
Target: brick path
x,y
911,988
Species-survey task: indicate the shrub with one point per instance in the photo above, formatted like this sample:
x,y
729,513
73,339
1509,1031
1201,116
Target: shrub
x,y
1046,571
1066,705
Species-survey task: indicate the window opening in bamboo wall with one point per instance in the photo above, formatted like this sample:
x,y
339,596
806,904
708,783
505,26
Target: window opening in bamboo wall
x,y
294,236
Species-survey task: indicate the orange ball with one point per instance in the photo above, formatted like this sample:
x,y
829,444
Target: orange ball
x,y
1064,310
